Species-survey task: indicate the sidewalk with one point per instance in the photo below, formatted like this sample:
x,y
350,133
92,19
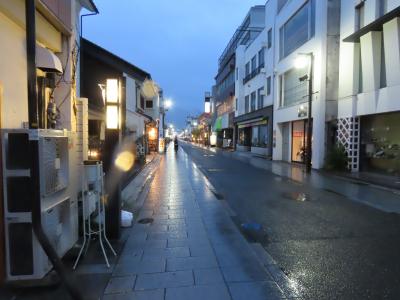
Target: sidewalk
x,y
191,249
379,197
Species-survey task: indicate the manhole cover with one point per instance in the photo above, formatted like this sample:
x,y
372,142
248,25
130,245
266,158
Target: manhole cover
x,y
297,196
146,221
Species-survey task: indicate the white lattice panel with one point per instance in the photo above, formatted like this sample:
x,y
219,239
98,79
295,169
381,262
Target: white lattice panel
x,y
348,135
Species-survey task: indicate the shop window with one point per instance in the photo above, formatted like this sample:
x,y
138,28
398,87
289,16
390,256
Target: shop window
x,y
263,135
259,136
244,137
380,144
254,136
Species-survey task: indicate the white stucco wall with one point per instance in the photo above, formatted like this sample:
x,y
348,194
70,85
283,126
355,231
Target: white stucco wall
x,y
134,120
373,99
322,109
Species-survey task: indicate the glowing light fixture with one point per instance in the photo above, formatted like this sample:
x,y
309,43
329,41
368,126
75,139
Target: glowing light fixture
x,y
112,117
301,62
152,134
167,103
112,103
112,91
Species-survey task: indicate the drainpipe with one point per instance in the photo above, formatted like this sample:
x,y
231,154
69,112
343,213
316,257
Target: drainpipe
x,y
34,150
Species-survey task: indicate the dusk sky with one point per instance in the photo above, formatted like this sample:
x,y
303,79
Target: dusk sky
x,y
177,41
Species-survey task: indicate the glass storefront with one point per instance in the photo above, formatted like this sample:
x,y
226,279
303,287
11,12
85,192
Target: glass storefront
x,y
299,141
253,134
245,136
260,136
380,144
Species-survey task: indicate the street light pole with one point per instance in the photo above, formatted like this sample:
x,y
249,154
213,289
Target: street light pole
x,y
309,116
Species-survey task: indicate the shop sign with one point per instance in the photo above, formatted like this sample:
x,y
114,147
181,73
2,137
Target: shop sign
x,y
302,112
251,124
298,134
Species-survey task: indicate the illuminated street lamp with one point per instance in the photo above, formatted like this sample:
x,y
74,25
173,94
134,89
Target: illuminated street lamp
x,y
302,61
112,104
167,104
111,97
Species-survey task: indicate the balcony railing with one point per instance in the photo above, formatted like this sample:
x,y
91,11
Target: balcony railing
x,y
253,74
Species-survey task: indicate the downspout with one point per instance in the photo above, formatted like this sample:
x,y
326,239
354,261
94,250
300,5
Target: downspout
x,y
33,119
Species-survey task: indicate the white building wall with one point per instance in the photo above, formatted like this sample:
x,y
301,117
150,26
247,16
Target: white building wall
x,y
245,54
372,99
135,122
361,95
321,110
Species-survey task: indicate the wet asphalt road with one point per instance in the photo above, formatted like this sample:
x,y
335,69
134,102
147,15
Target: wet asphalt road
x,y
329,246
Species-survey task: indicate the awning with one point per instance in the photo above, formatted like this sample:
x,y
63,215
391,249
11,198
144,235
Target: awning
x,y
253,123
377,25
47,61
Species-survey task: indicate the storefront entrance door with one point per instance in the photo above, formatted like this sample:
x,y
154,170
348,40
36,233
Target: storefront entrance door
x,y
299,141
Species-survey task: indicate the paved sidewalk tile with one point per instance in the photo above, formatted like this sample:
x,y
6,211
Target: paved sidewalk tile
x,y
120,285
167,252
164,280
138,266
190,263
205,292
137,295
208,276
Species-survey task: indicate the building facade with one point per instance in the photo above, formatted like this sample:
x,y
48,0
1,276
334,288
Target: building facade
x,y
253,91
140,115
58,103
305,27
224,93
369,85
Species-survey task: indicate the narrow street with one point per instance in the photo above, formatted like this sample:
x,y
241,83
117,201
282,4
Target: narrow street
x,y
329,246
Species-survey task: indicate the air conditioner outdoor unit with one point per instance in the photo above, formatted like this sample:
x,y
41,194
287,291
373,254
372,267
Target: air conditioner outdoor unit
x,y
25,258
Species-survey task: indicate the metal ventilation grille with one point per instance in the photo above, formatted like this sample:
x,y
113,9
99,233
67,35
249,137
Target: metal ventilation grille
x,y
54,175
